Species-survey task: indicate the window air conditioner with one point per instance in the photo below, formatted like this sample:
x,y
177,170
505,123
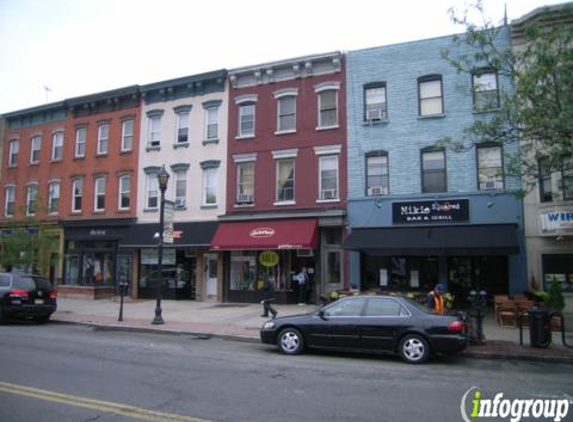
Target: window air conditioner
x,y
329,194
179,202
304,252
376,190
245,198
374,114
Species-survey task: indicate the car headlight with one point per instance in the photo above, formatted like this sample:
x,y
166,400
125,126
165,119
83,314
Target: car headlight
x,y
268,325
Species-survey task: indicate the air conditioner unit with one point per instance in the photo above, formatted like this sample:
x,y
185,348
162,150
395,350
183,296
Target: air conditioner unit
x,y
491,184
179,202
374,114
304,253
329,194
245,198
376,190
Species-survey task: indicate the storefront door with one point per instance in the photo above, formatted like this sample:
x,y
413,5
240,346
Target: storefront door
x,y
210,274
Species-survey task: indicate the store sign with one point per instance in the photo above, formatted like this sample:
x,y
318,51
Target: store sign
x,y
443,211
262,232
269,258
168,217
557,220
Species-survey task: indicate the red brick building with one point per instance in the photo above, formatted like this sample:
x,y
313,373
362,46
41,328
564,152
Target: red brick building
x,y
286,185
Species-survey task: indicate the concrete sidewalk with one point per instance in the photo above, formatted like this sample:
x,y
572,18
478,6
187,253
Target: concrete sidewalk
x,y
242,321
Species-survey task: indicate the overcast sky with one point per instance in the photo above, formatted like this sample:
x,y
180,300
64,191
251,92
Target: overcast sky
x,y
56,49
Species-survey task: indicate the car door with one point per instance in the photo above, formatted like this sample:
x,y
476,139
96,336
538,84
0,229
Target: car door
x,y
384,318
335,326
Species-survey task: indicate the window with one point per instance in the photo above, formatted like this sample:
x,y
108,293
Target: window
x,y
183,127
210,186
124,192
545,182
490,168
328,108
486,94
53,197
382,307
57,146
10,201
377,173
346,308
152,191
81,142
180,188
14,151
154,140
77,194
246,120
99,194
35,149
328,177
286,108
127,135
375,108
285,180
212,123
433,171
245,183
102,139
32,199
431,97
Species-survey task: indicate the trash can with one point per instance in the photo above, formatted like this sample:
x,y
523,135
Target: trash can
x,y
540,327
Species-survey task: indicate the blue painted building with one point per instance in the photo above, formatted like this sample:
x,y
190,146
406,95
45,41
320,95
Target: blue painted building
x,y
418,214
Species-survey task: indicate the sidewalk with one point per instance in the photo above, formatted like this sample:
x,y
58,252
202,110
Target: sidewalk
x,y
242,321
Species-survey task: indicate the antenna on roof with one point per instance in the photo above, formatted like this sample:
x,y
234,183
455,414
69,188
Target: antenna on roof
x,y
505,15
47,90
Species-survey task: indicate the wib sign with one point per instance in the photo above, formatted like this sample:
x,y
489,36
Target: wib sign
x,y
513,410
557,220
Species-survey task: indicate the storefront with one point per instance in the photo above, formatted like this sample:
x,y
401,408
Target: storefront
x,y
189,272
439,241
275,249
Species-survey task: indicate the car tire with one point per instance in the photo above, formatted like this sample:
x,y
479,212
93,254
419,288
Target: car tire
x,y
414,348
290,341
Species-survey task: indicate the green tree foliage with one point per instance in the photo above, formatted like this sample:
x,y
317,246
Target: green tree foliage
x,y
537,109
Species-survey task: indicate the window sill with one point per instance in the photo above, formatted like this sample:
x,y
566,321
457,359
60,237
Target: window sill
x,y
35,164
102,155
123,210
157,148
209,207
181,145
241,137
245,205
126,151
210,141
432,116
76,212
283,203
327,201
56,160
150,210
285,132
327,127
491,110
375,122
180,208
81,157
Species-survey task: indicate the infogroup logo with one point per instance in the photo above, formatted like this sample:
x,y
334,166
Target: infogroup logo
x,y
511,409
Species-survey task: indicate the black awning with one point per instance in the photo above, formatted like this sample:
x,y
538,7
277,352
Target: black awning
x,y
197,234
487,239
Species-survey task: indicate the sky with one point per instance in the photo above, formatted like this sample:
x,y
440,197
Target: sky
x,y
51,50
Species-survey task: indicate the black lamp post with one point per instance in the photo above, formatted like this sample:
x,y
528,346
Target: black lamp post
x,y
162,179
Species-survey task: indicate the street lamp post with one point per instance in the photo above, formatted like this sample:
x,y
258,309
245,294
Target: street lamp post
x,y
162,179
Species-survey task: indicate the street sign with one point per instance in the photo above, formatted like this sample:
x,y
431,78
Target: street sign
x,y
168,216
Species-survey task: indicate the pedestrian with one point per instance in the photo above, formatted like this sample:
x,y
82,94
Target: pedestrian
x,y
268,298
302,279
435,299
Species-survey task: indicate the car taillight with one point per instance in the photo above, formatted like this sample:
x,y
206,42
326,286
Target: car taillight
x,y
53,294
19,294
456,327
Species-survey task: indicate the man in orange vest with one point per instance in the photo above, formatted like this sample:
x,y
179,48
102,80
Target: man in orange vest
x,y
435,299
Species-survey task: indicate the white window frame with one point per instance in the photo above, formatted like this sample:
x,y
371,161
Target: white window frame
x,y
9,198
485,164
122,192
209,112
81,142
35,149
58,146
154,132
127,130
209,188
31,198
180,176
54,195
103,139
152,191
281,96
14,153
99,193
77,193
323,89
183,123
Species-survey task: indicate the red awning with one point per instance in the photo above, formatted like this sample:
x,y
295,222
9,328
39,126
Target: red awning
x,y
284,234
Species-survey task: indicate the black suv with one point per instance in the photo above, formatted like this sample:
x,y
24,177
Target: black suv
x,y
26,296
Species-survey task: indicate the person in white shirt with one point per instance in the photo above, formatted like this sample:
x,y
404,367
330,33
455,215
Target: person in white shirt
x,y
302,279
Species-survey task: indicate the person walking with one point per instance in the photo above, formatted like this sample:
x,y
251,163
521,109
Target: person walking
x,y
268,298
302,279
435,299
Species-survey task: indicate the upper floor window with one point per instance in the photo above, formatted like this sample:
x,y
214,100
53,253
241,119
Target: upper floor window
x,y
77,195
183,127
433,171
180,188
57,146
246,120
32,199
375,108
152,191
328,107
13,153
328,177
430,95
53,197
99,194
485,90
127,135
285,180
555,184
35,149
567,180
377,173
286,110
212,119
210,186
245,183
81,134
124,191
545,182
103,139
10,201
154,128
490,168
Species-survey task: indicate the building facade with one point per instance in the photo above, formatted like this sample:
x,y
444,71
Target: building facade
x,y
286,178
419,213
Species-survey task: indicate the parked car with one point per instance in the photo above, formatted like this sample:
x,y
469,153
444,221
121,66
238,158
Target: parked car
x,y
370,323
26,296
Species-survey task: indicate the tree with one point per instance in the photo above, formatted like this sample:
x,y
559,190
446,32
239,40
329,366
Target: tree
x,y
537,109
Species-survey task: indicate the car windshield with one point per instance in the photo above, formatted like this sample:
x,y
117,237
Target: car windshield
x,y
43,283
24,283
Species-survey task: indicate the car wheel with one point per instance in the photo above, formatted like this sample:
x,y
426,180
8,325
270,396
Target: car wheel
x,y
290,341
414,348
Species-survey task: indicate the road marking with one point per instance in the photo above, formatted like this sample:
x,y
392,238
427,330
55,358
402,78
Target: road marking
x,y
99,405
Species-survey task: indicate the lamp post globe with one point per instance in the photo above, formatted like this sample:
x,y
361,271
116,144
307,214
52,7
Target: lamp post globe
x,y
162,180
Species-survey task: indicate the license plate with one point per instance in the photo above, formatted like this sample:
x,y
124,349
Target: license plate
x,y
39,301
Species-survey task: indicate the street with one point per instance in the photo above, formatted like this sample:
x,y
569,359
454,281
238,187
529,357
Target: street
x,y
61,372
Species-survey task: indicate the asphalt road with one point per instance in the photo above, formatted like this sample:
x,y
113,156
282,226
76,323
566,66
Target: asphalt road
x,y
59,372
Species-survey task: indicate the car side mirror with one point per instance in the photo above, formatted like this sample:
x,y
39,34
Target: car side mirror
x,y
322,314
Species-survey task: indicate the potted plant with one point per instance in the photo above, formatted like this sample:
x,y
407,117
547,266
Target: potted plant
x,y
555,301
